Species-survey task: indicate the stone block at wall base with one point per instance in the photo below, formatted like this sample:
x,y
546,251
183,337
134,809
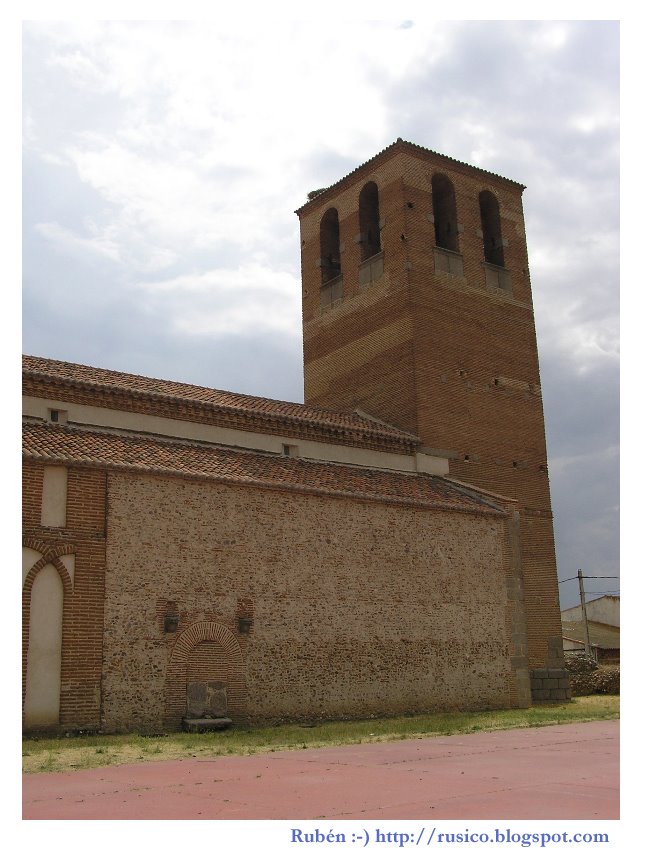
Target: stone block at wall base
x,y
549,684
205,724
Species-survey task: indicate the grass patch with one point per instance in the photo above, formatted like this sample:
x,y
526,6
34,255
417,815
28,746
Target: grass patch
x,y
62,754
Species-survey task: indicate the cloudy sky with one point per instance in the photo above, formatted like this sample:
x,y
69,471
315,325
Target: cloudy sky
x,y
163,162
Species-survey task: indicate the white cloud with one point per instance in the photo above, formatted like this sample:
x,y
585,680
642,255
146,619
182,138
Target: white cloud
x,y
29,127
82,70
552,37
250,299
565,465
86,248
595,119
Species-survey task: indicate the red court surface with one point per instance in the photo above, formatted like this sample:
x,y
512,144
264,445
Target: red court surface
x,y
550,773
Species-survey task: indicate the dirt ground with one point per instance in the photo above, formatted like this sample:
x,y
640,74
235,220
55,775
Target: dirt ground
x,y
554,773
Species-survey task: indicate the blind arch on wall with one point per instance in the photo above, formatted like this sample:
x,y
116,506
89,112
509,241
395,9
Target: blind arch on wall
x,y
43,674
37,556
231,666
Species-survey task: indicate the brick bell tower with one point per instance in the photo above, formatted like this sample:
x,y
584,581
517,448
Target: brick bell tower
x,y
417,308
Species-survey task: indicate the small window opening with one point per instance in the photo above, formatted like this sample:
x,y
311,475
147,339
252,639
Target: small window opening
x,y
57,415
289,450
514,463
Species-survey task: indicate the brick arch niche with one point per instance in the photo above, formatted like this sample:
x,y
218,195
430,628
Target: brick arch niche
x,y
47,599
202,652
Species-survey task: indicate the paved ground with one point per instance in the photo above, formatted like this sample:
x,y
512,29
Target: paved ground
x,y
555,772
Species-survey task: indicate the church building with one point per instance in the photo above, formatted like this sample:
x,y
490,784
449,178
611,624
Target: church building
x,y
384,548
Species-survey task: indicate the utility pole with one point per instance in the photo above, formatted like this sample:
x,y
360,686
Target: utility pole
x,y
584,615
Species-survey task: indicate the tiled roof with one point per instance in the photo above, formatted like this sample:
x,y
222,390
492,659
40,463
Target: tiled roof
x,y
600,634
334,421
72,445
401,144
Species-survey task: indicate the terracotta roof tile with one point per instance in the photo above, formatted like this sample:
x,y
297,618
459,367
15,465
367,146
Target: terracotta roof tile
x,y
73,445
74,374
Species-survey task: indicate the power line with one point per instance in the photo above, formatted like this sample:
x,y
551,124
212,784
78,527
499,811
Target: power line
x,y
573,578
601,576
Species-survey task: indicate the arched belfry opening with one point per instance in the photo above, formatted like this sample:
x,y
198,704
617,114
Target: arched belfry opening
x,y
330,246
369,221
491,226
445,221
